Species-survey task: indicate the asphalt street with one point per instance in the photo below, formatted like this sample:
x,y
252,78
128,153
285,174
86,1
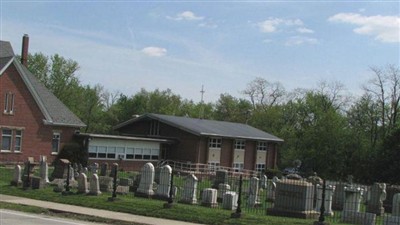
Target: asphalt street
x,y
8,217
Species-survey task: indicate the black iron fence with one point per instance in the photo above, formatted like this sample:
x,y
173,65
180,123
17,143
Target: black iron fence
x,y
291,196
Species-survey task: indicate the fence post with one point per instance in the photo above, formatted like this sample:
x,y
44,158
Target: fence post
x,y
238,212
67,187
115,174
171,191
321,219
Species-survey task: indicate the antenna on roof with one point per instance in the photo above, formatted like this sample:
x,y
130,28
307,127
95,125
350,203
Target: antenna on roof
x,y
202,102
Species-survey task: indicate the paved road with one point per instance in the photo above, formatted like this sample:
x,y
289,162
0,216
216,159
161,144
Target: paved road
x,y
8,217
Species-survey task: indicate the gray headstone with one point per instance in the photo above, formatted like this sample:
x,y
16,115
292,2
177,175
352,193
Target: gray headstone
x,y
229,200
103,169
106,183
294,199
209,197
83,187
44,170
190,190
396,205
221,177
264,182
253,193
352,199
164,186
16,181
145,188
94,185
328,199
222,188
377,196
358,218
38,183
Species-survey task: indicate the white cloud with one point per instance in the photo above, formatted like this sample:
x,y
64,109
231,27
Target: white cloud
x,y
271,25
384,28
186,15
154,51
299,40
208,25
304,30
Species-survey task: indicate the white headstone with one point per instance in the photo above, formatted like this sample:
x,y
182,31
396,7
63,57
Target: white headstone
x,y
94,185
229,200
209,197
329,190
164,186
222,188
17,176
352,199
145,188
82,184
271,187
253,192
190,190
264,182
44,169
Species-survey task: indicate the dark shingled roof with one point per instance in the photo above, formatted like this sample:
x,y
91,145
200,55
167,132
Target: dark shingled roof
x,y
54,111
202,127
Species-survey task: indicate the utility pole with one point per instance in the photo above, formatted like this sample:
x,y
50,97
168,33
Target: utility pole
x,y
202,102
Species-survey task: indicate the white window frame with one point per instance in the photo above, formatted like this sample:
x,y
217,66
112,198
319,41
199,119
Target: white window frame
x,y
214,142
260,167
262,146
238,167
240,144
18,148
213,166
10,142
57,138
138,154
9,103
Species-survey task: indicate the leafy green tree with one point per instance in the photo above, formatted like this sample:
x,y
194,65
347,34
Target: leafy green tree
x,y
229,108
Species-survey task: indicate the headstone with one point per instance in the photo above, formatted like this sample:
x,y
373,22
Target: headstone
x,y
85,170
164,185
113,168
28,172
329,189
338,197
264,182
190,190
222,188
352,199
221,176
103,169
83,187
95,168
125,182
122,190
361,218
253,193
80,168
38,183
209,198
94,185
106,183
44,169
60,169
17,181
145,188
229,200
391,191
71,173
294,199
271,187
377,196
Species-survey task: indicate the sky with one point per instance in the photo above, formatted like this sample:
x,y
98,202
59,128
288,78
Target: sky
x,y
223,45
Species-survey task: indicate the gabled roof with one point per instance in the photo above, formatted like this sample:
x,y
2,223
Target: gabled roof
x,y
53,110
202,127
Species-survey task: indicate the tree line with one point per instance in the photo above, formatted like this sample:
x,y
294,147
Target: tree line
x,y
326,128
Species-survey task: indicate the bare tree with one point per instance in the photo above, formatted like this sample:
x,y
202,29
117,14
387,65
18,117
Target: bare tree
x,y
263,93
385,89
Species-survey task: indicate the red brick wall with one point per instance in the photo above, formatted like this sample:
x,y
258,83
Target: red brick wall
x,y
227,152
37,137
250,155
272,156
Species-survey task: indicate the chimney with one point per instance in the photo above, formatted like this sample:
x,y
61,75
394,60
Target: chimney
x,y
24,53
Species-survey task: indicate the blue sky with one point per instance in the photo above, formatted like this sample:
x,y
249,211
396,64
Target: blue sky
x,y
223,45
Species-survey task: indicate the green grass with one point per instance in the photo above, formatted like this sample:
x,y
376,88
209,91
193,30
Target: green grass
x,y
145,207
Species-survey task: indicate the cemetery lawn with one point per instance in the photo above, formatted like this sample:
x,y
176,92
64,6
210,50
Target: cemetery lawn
x,y
138,206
